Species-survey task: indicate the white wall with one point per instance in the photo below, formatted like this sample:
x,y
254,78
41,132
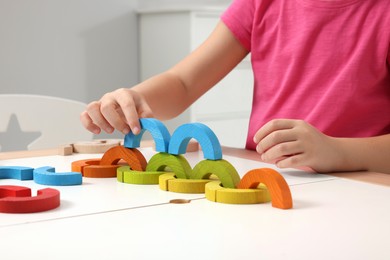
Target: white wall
x,y
77,49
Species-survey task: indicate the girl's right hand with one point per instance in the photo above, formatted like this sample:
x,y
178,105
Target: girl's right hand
x,y
120,110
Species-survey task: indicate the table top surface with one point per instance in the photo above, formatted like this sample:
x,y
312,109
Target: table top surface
x,y
334,217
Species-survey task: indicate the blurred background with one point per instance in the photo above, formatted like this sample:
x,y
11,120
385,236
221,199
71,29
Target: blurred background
x,y
81,49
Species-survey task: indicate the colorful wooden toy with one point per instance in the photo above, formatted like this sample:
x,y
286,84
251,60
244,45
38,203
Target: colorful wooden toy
x,y
126,175
176,164
61,150
225,172
91,168
217,193
157,129
17,199
132,156
276,184
95,146
169,182
192,146
112,159
206,138
16,172
65,150
47,176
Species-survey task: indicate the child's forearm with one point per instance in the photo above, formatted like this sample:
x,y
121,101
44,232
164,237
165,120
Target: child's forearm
x,y
165,94
371,154
173,91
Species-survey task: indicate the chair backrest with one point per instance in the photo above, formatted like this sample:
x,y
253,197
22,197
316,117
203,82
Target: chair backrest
x,y
29,122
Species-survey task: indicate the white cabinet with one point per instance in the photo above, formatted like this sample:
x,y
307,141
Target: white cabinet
x,y
168,35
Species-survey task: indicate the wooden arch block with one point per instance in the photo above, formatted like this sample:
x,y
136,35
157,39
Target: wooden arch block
x,y
225,172
47,176
95,146
16,172
17,199
91,168
126,175
216,193
206,138
169,182
132,156
177,164
157,129
276,184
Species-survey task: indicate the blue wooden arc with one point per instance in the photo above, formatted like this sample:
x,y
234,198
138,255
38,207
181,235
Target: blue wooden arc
x,y
157,129
47,176
16,172
206,138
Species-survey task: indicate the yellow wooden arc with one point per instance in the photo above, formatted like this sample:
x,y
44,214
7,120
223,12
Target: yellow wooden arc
x,y
216,193
168,182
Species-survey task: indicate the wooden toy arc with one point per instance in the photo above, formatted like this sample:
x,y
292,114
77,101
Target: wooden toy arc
x,y
176,163
276,184
207,139
18,199
107,166
16,172
225,172
48,176
91,168
178,142
133,157
180,177
157,129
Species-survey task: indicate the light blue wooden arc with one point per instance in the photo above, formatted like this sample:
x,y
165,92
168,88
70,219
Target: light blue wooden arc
x,y
157,129
47,176
206,138
16,172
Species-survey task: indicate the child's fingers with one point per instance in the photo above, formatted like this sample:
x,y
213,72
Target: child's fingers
x,y
293,161
133,108
96,116
87,122
132,119
271,126
275,138
112,112
282,150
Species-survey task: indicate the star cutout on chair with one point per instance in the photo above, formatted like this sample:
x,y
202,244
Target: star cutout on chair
x,y
14,139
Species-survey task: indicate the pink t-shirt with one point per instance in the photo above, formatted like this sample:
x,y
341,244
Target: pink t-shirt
x,y
326,62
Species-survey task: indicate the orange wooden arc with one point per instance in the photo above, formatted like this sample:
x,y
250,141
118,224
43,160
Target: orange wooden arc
x,y
78,166
132,156
91,168
276,184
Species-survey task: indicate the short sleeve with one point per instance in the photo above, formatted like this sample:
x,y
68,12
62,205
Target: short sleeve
x,y
239,17
388,57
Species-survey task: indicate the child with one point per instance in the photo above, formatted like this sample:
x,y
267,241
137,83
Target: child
x,y
322,82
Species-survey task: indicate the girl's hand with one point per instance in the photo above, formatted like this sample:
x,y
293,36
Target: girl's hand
x,y
297,144
120,110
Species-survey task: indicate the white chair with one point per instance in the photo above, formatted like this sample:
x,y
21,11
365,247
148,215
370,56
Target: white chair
x,y
30,122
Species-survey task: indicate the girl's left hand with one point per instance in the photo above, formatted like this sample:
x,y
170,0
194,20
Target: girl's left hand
x,y
296,144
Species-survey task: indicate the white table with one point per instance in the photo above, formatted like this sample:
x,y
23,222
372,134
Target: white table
x,y
332,218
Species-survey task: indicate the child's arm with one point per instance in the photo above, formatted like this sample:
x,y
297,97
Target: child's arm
x,y
168,94
295,143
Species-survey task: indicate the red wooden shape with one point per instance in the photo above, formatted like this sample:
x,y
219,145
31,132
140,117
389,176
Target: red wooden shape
x,y
18,199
